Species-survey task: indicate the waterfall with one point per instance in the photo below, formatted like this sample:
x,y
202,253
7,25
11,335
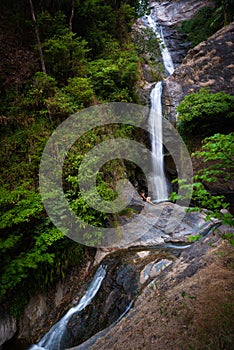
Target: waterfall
x,y
52,340
159,184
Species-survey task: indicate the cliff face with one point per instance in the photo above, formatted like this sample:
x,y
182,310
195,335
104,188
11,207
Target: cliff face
x,y
209,64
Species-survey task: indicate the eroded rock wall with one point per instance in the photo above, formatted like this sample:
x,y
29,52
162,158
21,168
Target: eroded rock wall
x,y
209,64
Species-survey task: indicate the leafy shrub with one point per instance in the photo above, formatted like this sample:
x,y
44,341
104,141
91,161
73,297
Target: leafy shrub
x,y
65,54
61,105
113,76
218,152
207,21
81,90
204,113
34,254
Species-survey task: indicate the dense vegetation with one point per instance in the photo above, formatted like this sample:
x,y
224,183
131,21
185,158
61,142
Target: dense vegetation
x,y
207,112
212,114
65,56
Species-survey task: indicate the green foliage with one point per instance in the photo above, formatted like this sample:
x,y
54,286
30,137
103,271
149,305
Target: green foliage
x,y
21,151
18,206
224,12
147,43
61,105
65,54
205,111
106,178
81,90
33,252
194,238
114,78
51,25
41,87
94,61
148,47
228,236
218,153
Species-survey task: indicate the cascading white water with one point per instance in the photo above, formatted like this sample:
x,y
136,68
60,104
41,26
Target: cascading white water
x,y
151,21
52,339
159,184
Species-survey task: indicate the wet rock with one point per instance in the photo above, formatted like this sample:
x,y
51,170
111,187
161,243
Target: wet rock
x,y
173,12
8,326
119,288
35,309
176,44
168,222
153,269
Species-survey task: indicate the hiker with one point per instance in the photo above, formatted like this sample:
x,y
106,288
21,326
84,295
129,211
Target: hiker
x,y
146,199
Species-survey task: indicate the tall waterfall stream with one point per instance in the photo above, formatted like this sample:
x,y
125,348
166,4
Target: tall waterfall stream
x,y
159,183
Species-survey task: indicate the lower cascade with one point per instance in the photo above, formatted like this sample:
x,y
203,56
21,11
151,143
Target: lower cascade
x,y
53,340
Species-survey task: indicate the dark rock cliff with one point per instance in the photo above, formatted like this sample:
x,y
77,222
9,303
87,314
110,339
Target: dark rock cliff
x,y
209,64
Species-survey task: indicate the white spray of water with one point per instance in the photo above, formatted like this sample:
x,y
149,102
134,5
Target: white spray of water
x,y
52,339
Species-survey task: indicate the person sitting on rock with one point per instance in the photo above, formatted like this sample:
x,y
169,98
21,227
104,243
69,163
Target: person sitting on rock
x,y
146,199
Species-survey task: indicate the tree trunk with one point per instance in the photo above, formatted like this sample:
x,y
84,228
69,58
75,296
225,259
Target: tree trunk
x,y
38,38
72,15
70,27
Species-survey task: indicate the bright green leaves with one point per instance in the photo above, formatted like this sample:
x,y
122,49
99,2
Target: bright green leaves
x,y
81,90
217,154
64,54
19,206
114,78
204,113
34,254
77,94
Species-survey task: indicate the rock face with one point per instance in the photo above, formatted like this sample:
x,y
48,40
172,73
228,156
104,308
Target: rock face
x,y
209,64
188,305
8,326
167,14
44,309
167,222
170,13
128,272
